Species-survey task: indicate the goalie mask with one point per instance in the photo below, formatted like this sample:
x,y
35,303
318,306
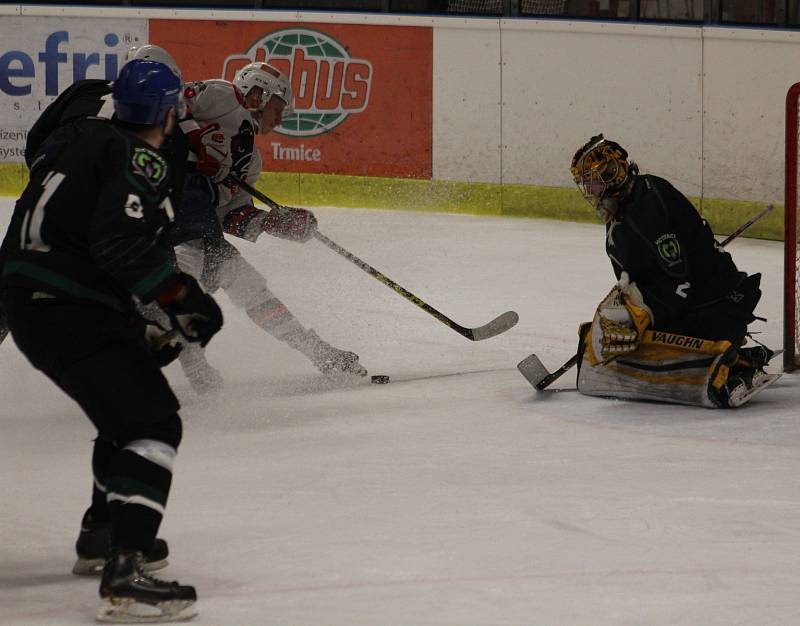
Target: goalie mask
x,y
272,83
601,170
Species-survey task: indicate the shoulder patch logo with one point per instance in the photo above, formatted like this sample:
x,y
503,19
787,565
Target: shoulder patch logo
x,y
149,166
669,249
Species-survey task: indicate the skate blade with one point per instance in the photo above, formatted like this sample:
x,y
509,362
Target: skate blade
x,y
741,399
128,611
94,567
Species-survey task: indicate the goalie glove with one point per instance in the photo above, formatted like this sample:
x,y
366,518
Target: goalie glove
x,y
619,322
290,223
193,312
210,148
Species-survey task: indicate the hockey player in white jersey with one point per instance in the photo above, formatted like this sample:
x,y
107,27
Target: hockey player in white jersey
x,y
224,119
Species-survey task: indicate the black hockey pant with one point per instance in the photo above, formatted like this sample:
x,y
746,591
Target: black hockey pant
x,y
98,357
726,318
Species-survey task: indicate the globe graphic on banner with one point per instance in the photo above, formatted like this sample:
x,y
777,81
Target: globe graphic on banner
x,y
315,45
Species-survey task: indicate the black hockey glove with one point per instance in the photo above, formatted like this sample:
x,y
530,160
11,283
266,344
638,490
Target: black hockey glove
x,y
193,312
163,344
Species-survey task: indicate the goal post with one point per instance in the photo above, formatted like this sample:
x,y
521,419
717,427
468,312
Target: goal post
x,y
791,276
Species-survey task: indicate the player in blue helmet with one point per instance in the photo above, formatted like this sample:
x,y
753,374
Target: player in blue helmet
x,y
85,244
145,91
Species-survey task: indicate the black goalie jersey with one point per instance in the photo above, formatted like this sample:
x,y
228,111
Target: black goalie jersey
x,y
659,238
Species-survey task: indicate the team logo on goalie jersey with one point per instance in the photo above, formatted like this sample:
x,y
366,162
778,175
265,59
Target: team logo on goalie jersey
x,y
669,248
149,166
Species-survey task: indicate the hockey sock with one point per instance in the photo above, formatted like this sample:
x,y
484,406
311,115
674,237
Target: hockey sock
x,y
138,485
102,455
272,316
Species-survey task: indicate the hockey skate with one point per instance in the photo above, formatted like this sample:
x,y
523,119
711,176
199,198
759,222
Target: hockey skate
x,y
93,546
742,386
758,356
202,376
332,362
130,595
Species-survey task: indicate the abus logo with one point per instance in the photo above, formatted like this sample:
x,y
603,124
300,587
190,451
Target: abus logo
x,y
328,84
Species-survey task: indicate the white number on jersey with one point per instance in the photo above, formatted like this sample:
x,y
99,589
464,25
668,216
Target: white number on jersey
x,y
133,206
31,235
107,110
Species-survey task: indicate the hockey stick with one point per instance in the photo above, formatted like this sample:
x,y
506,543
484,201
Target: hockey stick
x,y
746,225
498,325
538,375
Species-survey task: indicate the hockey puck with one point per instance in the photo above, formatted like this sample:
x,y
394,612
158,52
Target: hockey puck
x,y
380,379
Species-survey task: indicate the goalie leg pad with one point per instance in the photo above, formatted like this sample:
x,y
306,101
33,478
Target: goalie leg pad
x,y
665,367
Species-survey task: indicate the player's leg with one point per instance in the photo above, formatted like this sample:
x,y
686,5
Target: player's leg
x,y
196,220
226,268
729,318
94,540
99,358
135,408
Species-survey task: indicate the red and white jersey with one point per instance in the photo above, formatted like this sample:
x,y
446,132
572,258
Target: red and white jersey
x,y
220,103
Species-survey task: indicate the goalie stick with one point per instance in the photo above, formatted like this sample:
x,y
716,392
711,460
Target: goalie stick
x,y
498,325
746,225
534,371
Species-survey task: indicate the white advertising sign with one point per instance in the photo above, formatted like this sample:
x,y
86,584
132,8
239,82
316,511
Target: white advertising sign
x,y
42,56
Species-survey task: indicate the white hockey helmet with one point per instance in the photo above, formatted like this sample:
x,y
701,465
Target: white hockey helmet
x,y
269,79
150,52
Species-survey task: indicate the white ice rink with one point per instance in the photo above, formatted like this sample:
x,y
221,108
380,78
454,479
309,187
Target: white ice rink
x,y
455,495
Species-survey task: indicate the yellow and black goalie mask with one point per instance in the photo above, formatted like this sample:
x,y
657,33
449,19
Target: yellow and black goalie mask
x,y
601,170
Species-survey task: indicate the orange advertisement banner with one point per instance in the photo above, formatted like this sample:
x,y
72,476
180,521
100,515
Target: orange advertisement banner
x,y
363,94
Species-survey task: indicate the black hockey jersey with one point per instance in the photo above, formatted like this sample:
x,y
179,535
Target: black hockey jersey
x,y
668,249
92,98
91,226
84,98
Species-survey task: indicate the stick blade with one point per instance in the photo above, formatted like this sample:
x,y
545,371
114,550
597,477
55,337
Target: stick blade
x,y
498,325
533,370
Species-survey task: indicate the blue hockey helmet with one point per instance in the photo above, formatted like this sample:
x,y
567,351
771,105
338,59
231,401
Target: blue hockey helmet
x,y
145,91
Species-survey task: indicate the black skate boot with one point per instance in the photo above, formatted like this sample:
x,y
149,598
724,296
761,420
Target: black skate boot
x,y
130,595
744,384
94,543
757,356
327,359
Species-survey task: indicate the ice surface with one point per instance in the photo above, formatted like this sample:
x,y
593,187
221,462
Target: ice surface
x,y
455,495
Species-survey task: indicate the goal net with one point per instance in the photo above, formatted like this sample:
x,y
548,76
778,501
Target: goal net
x,y
791,275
